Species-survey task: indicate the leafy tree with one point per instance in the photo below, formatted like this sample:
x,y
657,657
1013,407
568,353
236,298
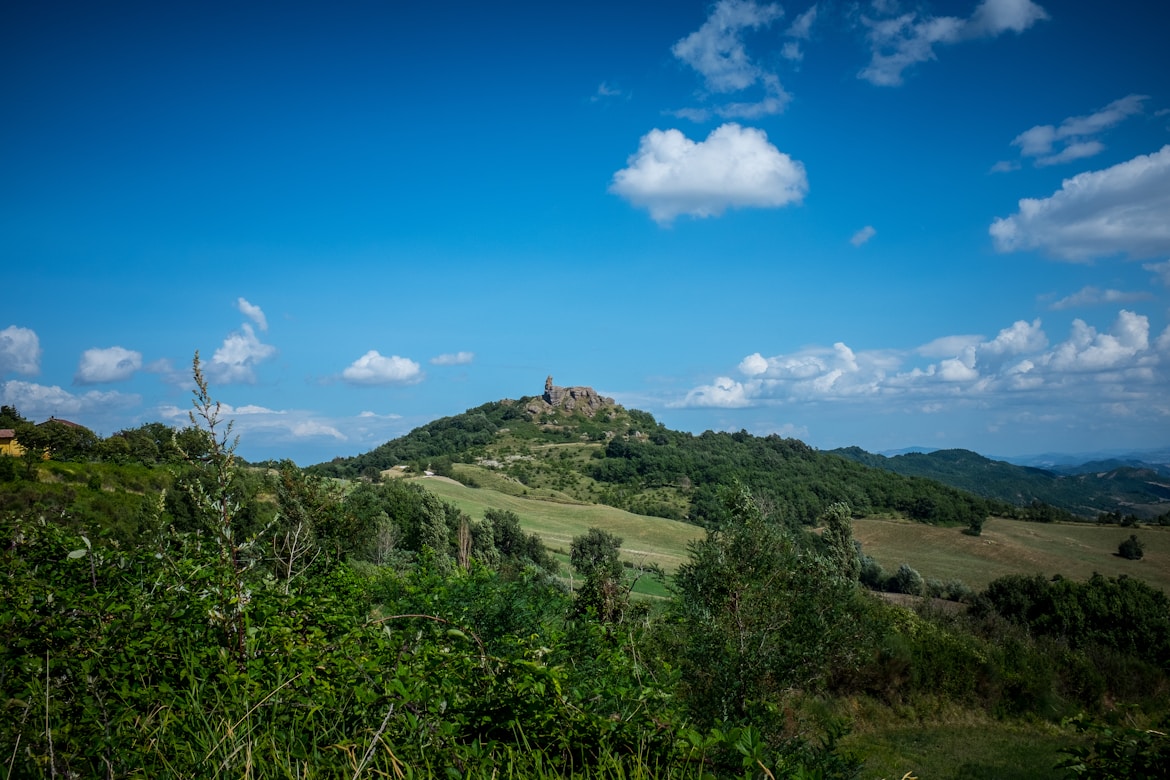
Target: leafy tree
x,y
595,557
757,616
516,548
838,538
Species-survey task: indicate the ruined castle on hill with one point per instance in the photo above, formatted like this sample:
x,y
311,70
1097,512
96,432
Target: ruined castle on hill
x,y
571,399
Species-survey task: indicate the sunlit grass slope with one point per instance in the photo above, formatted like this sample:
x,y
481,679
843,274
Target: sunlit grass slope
x,y
644,539
1074,550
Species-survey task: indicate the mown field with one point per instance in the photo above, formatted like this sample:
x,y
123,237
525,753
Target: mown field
x,y
644,539
1074,550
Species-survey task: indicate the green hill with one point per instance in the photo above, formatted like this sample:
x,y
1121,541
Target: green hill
x,y
1123,489
572,445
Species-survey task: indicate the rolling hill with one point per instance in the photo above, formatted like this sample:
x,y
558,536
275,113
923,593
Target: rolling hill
x,y
1087,491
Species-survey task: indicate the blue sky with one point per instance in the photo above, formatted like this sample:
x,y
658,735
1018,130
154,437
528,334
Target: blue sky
x,y
885,224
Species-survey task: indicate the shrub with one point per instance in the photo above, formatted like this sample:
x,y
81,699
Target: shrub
x,y
1132,548
907,580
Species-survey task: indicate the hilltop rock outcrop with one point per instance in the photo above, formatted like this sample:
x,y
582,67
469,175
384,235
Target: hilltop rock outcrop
x,y
585,400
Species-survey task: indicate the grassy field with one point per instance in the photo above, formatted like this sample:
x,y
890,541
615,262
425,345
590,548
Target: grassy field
x,y
955,745
1074,550
644,539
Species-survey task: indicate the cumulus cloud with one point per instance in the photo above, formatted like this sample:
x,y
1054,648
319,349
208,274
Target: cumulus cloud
x,y
735,167
724,393
37,401
1088,350
1093,296
1118,210
453,359
716,51
373,368
113,364
252,312
1118,365
261,425
1074,138
863,235
909,38
20,351
237,357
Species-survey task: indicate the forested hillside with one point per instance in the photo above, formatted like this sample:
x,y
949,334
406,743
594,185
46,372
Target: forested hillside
x,y
626,459
1086,493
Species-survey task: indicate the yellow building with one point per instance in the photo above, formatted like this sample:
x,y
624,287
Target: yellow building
x,y
8,443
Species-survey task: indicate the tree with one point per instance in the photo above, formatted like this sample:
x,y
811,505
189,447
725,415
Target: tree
x,y
838,538
595,557
1132,548
758,616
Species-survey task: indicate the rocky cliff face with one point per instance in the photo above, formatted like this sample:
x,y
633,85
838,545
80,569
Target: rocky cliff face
x,y
571,399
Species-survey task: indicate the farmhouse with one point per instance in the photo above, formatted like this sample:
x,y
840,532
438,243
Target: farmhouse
x,y
8,443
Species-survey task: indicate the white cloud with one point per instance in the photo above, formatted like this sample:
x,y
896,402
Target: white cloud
x,y
734,167
724,393
376,416
716,51
167,373
1022,337
863,235
1075,151
1160,270
312,428
902,41
20,351
1118,210
252,312
1088,350
993,17
946,346
237,357
958,369
801,30
605,91
753,365
1093,296
114,364
1017,367
1075,134
259,425
801,26
373,368
42,401
453,359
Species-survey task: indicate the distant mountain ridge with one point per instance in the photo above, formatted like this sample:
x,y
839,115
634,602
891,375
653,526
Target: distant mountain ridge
x,y
1085,462
1086,489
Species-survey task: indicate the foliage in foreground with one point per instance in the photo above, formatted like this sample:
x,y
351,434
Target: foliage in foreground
x,y
384,633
